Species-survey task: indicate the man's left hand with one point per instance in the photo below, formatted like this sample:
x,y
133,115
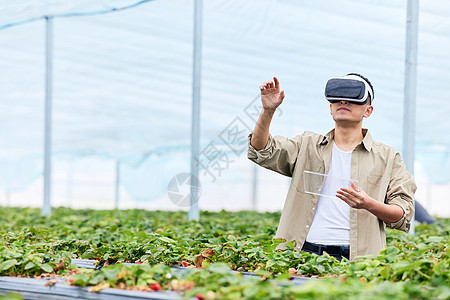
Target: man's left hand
x,y
354,197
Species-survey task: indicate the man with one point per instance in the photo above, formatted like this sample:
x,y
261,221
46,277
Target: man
x,y
352,222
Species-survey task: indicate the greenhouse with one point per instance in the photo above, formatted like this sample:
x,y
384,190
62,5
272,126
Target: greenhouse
x,y
127,170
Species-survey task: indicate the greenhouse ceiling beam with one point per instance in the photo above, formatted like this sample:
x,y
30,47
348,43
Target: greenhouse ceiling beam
x,y
194,194
46,208
409,104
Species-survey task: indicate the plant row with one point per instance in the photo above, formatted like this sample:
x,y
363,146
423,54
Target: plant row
x,y
412,266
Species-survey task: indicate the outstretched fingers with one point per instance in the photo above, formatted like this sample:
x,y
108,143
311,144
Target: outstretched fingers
x,y
355,197
343,193
270,84
354,186
354,191
347,192
265,85
277,83
347,197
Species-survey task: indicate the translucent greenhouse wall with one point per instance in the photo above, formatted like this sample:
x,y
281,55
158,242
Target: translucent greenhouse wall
x,y
122,94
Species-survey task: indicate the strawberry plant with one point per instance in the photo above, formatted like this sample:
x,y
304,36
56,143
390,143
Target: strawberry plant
x,y
412,266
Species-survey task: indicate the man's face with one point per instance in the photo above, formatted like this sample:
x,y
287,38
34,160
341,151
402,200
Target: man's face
x,y
347,113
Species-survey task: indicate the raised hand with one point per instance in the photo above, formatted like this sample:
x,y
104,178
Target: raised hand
x,y
271,96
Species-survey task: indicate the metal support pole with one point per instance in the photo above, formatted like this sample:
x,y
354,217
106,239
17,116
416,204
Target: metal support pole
x,y
46,208
409,109
117,183
194,213
255,186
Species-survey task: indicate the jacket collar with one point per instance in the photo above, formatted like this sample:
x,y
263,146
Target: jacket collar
x,y
367,141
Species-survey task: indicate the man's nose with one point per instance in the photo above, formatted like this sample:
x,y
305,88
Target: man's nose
x,y
344,102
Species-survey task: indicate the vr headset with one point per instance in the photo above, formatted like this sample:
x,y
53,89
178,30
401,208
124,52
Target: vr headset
x,y
349,88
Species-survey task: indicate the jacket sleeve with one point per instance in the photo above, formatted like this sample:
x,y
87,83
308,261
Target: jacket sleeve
x,y
401,192
279,155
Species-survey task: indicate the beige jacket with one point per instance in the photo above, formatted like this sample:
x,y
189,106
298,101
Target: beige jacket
x,y
378,168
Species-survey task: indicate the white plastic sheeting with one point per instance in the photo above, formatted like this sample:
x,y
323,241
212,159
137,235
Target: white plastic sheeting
x,y
123,82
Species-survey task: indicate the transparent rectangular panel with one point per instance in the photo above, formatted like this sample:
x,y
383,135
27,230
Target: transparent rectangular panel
x,y
314,183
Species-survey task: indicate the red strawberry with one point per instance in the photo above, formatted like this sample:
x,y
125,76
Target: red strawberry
x,y
155,286
199,297
185,263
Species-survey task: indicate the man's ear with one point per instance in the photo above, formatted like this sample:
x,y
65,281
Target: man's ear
x,y
331,110
368,112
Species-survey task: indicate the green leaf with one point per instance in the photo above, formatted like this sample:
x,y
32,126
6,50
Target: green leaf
x,y
111,272
390,250
29,265
385,272
435,239
7,264
265,273
46,267
278,241
167,240
270,263
290,245
7,253
80,279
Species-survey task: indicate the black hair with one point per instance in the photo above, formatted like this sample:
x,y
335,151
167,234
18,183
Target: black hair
x,y
367,80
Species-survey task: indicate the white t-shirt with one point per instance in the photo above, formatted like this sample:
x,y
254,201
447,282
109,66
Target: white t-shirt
x,y
331,223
